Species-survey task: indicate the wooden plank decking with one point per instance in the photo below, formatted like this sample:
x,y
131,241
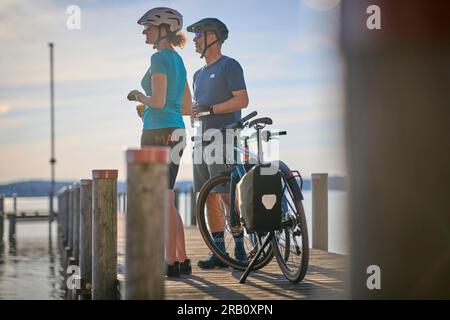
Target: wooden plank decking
x,y
326,277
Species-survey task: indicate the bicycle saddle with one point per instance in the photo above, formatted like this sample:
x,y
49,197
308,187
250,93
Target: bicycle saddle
x,y
264,120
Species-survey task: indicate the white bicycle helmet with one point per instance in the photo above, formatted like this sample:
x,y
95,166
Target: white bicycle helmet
x,y
163,15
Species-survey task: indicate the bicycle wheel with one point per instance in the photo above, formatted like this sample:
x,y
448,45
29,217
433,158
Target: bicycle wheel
x,y
290,244
234,246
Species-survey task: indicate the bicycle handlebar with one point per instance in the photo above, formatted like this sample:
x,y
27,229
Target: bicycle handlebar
x,y
265,135
240,123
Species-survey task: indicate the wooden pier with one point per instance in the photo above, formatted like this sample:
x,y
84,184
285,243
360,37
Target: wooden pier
x,y
325,279
130,265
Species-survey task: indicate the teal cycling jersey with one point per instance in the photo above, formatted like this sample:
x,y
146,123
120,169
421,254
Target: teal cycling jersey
x,y
171,64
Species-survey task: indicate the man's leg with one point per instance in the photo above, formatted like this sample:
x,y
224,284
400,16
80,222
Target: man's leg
x,y
224,193
201,176
239,250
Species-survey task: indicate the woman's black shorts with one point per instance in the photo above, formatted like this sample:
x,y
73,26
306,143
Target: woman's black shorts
x,y
167,137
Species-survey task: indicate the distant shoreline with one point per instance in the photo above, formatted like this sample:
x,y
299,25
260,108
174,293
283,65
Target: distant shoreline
x,y
40,188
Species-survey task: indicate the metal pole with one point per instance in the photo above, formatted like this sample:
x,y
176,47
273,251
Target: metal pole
x,y
52,136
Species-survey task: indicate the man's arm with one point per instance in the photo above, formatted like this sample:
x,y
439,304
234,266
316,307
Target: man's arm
x,y
237,102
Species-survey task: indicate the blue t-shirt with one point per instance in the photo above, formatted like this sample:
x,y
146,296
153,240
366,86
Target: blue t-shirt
x,y
171,64
213,84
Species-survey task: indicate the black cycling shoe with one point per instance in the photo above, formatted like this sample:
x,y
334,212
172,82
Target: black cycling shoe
x,y
211,263
173,270
185,267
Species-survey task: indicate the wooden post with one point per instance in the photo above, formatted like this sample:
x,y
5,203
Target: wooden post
x,y
60,220
70,219
85,257
63,216
320,211
193,206
187,214
76,221
2,214
104,234
398,138
124,201
66,227
147,185
12,220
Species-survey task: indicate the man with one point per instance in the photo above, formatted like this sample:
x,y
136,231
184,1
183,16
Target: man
x,y
219,95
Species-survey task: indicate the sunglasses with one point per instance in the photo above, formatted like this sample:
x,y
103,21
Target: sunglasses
x,y
198,35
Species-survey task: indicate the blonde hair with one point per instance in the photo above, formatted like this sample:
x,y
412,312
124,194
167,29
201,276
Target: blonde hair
x,y
176,39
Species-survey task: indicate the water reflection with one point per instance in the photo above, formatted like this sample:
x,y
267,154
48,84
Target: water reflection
x,y
29,265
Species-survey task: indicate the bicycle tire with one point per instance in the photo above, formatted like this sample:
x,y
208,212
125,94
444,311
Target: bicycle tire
x,y
294,275
207,237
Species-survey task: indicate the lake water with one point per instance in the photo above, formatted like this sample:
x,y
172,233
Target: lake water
x,y
29,269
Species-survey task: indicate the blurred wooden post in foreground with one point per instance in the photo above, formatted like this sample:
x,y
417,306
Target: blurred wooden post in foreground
x,y
398,134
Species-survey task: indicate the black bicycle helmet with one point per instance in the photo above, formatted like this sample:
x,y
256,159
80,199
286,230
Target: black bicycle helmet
x,y
212,25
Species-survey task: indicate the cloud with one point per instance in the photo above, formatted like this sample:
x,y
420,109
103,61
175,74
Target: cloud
x,y
310,43
4,108
321,5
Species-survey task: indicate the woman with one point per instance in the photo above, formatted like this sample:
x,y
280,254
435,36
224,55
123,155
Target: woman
x,y
166,99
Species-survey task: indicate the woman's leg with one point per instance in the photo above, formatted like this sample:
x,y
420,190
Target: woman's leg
x,y
181,245
171,237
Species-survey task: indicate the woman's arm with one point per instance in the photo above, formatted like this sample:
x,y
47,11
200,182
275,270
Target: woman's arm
x,y
159,87
186,102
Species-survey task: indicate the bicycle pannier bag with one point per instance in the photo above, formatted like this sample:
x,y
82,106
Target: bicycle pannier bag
x,y
260,200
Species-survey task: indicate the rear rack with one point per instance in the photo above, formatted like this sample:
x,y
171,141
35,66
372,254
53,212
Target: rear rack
x,y
294,174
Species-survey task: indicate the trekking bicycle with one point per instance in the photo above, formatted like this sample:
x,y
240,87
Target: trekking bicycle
x,y
223,228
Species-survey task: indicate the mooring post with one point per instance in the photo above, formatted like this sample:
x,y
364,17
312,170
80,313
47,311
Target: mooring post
x,y
70,219
147,185
193,206
76,221
66,226
12,220
319,183
85,256
104,234
2,214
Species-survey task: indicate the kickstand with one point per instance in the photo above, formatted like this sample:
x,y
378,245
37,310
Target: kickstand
x,y
255,258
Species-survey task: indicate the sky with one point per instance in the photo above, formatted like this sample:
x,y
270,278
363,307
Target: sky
x,y
289,51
